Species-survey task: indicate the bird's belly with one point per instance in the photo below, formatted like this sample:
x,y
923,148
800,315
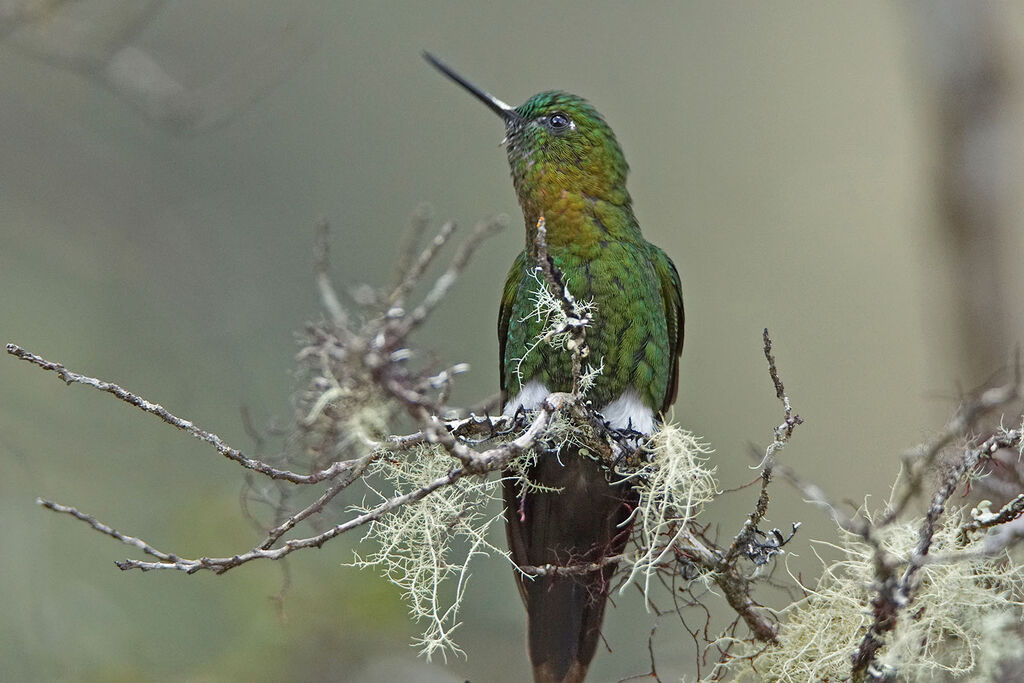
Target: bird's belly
x,y
627,338
625,412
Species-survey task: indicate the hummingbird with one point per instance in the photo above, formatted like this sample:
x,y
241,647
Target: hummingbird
x,y
568,168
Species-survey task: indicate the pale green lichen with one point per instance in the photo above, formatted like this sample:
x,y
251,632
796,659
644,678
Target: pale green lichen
x,y
557,324
961,623
425,548
674,485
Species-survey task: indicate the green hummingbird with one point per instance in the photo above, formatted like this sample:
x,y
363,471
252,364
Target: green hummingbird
x,y
568,168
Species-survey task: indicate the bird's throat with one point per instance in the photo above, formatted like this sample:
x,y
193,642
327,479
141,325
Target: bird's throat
x,y
576,219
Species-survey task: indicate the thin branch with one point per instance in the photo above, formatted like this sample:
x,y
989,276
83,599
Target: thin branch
x,y
69,377
108,530
219,565
734,586
476,463
496,458
322,268
569,569
919,462
785,430
575,323
410,243
426,257
458,263
317,506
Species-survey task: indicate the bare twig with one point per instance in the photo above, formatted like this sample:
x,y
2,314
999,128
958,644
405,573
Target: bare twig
x,y
415,273
785,430
444,283
322,268
569,569
734,586
69,377
576,322
219,565
108,530
919,461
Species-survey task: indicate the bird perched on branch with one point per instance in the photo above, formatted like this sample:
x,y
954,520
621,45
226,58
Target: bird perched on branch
x,y
570,177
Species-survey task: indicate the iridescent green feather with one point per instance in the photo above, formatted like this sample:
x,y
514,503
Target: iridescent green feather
x,y
576,180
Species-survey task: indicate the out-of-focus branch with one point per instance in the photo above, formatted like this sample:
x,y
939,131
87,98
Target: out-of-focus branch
x,y
920,461
968,67
322,268
985,519
458,263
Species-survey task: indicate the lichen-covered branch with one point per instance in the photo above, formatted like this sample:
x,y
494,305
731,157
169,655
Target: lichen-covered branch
x,y
362,370
896,606
421,494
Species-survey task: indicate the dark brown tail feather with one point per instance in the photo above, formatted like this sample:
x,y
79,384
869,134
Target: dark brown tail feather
x,y
578,524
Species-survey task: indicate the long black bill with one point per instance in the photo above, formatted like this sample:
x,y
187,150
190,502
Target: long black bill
x,y
506,112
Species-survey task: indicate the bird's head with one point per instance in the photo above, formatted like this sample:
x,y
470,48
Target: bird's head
x,y
555,141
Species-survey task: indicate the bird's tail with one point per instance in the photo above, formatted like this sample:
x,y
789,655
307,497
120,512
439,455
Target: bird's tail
x,y
580,522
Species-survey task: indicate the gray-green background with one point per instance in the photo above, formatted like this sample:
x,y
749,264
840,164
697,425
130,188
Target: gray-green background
x,y
782,154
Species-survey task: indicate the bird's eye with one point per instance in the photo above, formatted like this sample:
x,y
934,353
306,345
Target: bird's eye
x,y
558,121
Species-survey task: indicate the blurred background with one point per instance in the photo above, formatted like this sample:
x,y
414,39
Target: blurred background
x,y
845,174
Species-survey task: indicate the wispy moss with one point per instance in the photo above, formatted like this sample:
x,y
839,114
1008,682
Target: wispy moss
x,y
961,622
559,327
674,484
426,548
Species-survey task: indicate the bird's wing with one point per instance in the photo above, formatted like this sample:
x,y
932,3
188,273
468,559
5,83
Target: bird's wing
x,y
672,299
508,297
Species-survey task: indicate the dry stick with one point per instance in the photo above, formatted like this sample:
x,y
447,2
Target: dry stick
x,y
426,257
783,433
970,459
473,425
497,458
444,283
410,241
318,505
733,585
219,565
490,460
784,430
745,536
322,268
560,291
571,569
69,377
108,530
